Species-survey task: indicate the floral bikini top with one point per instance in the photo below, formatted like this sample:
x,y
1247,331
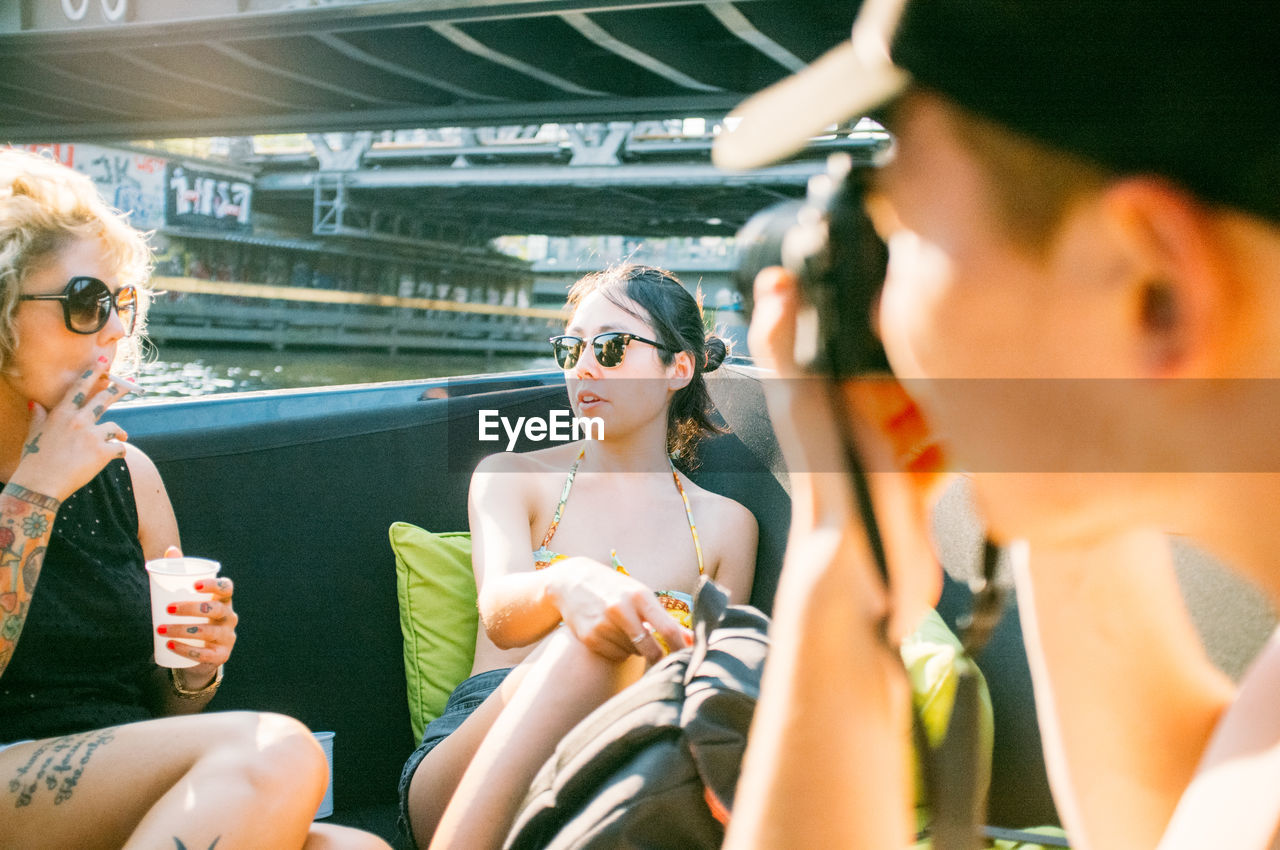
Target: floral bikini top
x,y
678,604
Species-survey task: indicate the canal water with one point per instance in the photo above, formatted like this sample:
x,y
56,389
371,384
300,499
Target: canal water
x,y
182,371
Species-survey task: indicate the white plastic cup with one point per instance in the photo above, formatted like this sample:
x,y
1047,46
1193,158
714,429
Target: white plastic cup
x,y
326,805
173,580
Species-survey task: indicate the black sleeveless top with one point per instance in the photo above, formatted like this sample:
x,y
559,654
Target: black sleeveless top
x,y
86,650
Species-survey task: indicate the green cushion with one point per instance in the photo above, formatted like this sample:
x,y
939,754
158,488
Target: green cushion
x,y
436,589
934,658
438,619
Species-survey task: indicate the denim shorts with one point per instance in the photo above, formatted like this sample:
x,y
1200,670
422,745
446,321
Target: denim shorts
x,y
465,699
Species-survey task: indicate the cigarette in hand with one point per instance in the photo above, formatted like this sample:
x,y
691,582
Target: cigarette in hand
x,y
129,385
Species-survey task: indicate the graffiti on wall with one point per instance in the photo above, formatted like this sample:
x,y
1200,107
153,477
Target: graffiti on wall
x,y
205,200
131,182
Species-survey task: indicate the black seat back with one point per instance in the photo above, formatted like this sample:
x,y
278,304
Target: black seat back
x,y
293,493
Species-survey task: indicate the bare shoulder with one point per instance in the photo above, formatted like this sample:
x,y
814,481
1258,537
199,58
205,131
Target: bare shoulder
x,y
526,478
1228,802
142,469
718,514
730,536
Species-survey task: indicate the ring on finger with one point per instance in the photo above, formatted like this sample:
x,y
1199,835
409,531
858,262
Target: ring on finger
x,y
648,632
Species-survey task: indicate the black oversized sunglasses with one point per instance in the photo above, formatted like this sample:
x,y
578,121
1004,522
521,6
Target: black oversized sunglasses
x,y
608,347
87,303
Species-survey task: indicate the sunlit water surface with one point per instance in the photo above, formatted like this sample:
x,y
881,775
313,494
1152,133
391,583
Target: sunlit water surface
x,y
179,371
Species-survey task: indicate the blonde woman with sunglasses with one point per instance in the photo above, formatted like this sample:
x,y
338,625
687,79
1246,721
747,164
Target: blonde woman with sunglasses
x,y
99,747
586,555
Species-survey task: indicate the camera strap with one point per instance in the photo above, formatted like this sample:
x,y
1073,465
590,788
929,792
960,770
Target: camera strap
x,y
957,801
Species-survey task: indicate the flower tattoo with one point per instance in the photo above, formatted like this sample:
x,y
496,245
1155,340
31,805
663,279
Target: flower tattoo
x,y
12,627
35,525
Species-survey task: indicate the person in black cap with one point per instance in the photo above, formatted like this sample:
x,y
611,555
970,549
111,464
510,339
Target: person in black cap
x,y
1079,190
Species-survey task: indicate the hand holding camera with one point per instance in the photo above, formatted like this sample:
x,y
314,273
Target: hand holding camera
x,y
814,270
829,244
809,415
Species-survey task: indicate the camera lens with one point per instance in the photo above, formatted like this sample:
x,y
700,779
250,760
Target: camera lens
x,y
839,262
759,245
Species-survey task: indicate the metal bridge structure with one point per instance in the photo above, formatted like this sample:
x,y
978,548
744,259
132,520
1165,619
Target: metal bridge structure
x,y
609,73
440,122
129,69
637,178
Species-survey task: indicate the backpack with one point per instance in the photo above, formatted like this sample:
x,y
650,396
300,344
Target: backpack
x,y
655,767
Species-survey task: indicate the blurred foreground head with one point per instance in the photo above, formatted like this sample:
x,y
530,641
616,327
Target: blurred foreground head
x,y
1083,202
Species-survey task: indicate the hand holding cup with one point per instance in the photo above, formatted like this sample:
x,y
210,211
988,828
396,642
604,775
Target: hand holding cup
x,y
191,611
905,462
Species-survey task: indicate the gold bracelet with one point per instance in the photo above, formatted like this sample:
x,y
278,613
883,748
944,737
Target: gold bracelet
x,y
206,691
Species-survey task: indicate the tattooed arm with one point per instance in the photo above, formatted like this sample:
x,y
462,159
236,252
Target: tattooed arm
x,y
26,520
64,448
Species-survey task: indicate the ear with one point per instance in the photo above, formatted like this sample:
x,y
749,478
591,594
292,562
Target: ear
x,y
1177,280
680,372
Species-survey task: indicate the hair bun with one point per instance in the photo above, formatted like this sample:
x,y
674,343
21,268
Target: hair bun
x,y
717,350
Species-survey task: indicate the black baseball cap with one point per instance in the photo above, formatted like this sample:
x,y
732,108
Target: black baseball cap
x,y
1189,91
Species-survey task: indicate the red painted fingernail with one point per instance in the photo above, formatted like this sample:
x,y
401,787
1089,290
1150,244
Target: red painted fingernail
x,y
173,644
31,404
160,630
199,585
172,609
102,359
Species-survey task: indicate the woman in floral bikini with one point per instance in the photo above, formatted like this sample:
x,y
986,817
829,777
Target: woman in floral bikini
x,y
634,355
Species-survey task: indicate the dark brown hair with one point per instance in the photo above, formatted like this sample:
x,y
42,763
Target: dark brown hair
x,y
677,320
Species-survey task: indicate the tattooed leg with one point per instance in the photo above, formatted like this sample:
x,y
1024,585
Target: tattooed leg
x,y
55,767
181,846
238,778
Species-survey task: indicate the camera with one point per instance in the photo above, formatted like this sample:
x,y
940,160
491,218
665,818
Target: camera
x,y
829,244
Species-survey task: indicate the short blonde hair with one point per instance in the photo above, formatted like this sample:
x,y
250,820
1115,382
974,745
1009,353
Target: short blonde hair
x,y
44,206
